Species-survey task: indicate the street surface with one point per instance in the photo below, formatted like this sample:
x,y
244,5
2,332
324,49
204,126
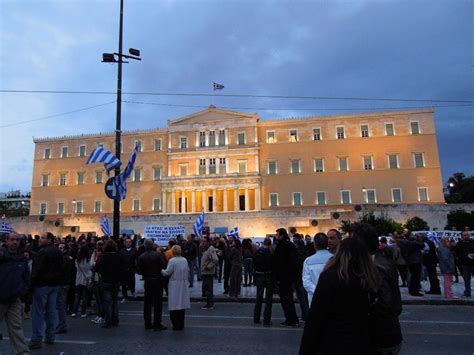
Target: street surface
x,y
229,329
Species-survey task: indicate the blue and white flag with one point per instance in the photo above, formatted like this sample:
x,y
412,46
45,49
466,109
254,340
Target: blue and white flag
x,y
105,226
197,226
235,233
102,155
120,180
5,227
217,86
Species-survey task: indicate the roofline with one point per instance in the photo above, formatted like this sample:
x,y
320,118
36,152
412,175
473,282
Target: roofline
x,y
212,108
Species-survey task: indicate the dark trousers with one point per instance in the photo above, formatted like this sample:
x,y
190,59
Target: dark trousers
x,y
82,297
153,299
128,283
248,271
302,296
414,282
208,289
227,268
467,271
109,295
403,271
235,280
433,277
264,283
177,319
287,302
221,269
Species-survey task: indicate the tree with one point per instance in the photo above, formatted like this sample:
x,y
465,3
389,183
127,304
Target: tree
x,y
9,211
460,189
460,219
382,224
417,224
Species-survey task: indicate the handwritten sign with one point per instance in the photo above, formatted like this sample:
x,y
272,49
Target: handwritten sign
x,y
162,234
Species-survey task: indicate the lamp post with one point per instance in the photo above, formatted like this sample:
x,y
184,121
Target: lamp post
x,y
110,58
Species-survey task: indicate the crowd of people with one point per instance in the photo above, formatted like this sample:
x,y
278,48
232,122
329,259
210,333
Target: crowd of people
x,y
347,287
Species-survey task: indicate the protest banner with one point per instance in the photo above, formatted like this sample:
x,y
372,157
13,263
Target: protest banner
x,y
162,234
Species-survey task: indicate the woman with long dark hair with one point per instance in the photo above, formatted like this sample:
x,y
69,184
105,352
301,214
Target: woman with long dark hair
x,y
339,314
83,279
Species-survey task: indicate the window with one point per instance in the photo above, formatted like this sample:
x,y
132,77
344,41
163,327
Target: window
x,y
370,196
47,153
137,174
183,169
272,167
98,177
241,138
43,208
423,194
62,179
389,129
157,145
157,173
242,166
273,199
319,165
397,195
271,137
183,142
80,178
64,152
343,166
202,139
82,151
222,166
419,160
345,197
295,166
212,138
60,207
222,137
293,135
321,198
138,144
79,207
368,162
212,165
340,132
202,166
97,206
415,127
45,180
393,161
297,199
156,204
317,134
136,205
364,131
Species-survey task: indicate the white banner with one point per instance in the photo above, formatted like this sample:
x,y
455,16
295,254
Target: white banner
x,y
161,234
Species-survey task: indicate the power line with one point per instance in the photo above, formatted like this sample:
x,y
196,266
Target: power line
x,y
236,96
57,115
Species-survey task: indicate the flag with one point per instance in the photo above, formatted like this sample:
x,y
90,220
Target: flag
x,y
197,226
105,227
217,86
5,227
102,155
235,233
120,180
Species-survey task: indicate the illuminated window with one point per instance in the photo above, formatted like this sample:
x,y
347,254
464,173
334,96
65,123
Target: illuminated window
x,y
293,135
271,137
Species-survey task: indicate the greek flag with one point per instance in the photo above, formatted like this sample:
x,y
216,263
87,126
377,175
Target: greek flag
x,y
197,226
217,86
102,155
6,228
235,232
120,180
105,227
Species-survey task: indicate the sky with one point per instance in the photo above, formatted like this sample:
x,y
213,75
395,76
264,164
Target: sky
x,y
412,50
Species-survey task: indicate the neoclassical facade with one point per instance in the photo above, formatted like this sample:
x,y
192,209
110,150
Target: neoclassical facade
x,y
223,161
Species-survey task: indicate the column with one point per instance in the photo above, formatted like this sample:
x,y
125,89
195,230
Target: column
x,y
183,201
225,200
173,202
214,200
163,201
203,200
247,202
236,199
193,201
257,199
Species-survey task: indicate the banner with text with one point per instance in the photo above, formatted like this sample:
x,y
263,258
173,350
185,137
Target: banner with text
x,y
161,234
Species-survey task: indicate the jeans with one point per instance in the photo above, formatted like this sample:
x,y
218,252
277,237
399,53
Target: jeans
x,y
82,296
43,311
109,295
153,299
194,268
248,271
208,289
264,283
467,271
61,307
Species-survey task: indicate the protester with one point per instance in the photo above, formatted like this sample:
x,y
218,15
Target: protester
x,y
465,253
235,279
430,261
83,281
64,288
95,283
14,281
178,297
400,261
301,294
227,264
411,251
129,256
190,253
169,253
247,256
334,239
263,266
446,266
209,261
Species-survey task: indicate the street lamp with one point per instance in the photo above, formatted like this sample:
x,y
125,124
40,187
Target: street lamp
x,y
118,58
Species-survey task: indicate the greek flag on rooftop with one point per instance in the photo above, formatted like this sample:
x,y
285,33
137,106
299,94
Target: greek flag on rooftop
x,y
235,232
5,227
105,227
120,180
197,226
102,155
217,86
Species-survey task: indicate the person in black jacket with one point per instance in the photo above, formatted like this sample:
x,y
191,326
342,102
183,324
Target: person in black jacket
x,y
150,264
64,288
411,250
130,257
430,260
110,268
263,266
464,251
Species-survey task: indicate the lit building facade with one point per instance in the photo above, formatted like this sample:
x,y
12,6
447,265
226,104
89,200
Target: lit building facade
x,y
223,161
